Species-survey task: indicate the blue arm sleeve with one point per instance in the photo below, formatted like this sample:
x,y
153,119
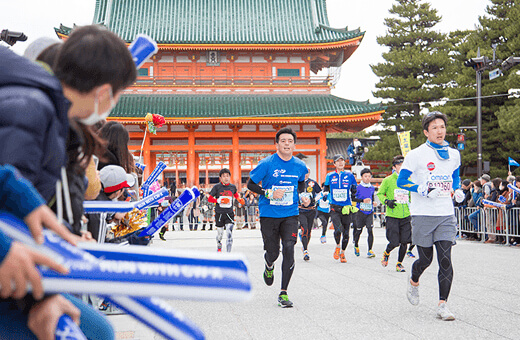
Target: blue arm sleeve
x,y
403,181
17,195
456,178
5,245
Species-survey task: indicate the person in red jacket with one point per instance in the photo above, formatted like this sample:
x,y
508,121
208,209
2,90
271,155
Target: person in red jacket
x,y
222,194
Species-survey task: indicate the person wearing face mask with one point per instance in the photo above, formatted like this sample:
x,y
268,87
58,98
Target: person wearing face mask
x,y
431,173
89,71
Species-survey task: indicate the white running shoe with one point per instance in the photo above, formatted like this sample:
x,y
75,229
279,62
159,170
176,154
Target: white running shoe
x,y
412,293
444,313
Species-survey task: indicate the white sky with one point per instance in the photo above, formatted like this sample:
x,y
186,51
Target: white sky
x,y
37,18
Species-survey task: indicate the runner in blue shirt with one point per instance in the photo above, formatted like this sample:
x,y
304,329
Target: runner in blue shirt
x,y
323,212
282,177
365,216
340,184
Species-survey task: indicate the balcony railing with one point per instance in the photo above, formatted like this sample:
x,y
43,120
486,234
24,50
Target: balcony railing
x,y
232,81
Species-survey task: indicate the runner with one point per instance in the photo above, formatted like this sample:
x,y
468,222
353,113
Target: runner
x,y
307,212
341,185
365,216
222,195
281,176
323,212
431,173
398,227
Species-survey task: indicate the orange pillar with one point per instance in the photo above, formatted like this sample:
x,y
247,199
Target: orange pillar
x,y
236,174
191,166
146,158
196,180
323,153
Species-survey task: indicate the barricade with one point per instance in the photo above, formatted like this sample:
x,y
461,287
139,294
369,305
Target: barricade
x,y
491,223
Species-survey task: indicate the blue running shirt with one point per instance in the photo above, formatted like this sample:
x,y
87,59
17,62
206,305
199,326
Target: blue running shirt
x,y
275,173
339,184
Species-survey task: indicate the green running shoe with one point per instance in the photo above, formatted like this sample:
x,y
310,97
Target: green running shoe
x,y
269,275
283,300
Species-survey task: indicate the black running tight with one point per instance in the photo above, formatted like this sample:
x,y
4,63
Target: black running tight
x,y
445,275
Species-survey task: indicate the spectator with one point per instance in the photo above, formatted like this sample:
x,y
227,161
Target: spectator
x,y
485,180
474,217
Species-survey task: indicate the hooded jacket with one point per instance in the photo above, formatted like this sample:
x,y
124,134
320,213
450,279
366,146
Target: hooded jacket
x,y
33,121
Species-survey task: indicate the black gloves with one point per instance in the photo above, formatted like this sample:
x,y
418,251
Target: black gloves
x,y
353,190
390,203
325,196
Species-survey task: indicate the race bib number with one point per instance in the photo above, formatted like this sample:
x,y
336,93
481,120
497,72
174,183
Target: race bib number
x,y
287,198
401,196
340,195
445,187
226,201
365,206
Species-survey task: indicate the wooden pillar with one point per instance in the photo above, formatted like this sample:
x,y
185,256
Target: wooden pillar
x,y
206,182
323,153
147,158
196,180
234,159
191,166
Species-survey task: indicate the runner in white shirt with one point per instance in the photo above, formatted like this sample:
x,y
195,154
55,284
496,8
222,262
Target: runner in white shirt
x,y
431,173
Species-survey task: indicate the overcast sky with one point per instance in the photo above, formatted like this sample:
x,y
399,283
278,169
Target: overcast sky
x,y
38,18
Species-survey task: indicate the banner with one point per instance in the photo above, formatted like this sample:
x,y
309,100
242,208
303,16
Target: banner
x,y
404,142
96,207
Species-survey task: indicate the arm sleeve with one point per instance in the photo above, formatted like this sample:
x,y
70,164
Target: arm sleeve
x,y
404,182
212,199
326,188
255,187
301,187
17,195
355,199
5,245
456,178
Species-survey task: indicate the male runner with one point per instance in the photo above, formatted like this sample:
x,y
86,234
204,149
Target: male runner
x,y
222,195
340,184
282,177
398,227
323,213
431,173
365,216
308,212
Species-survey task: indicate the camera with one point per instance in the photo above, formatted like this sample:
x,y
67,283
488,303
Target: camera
x,y
11,37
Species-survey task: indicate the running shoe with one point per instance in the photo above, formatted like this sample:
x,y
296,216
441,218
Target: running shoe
x,y
104,306
336,253
161,236
412,293
219,250
283,300
323,239
444,313
399,268
371,253
410,254
356,251
269,275
306,256
342,258
384,260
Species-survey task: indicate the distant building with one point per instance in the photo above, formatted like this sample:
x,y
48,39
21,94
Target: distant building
x,y
227,76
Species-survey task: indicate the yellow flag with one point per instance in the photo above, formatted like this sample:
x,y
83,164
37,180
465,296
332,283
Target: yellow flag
x,y
404,142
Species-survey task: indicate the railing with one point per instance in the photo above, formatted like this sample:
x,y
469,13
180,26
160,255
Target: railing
x,y
489,223
231,81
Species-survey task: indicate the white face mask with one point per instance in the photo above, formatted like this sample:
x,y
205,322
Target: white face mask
x,y
95,116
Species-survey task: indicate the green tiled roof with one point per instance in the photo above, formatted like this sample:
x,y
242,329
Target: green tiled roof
x,y
239,106
221,21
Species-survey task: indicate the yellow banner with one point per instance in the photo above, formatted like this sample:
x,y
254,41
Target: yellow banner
x,y
404,142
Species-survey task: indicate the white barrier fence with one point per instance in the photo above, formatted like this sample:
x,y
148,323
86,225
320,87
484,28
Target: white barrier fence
x,y
489,223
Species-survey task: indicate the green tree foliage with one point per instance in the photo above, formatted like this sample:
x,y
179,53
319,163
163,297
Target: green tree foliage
x,y
413,72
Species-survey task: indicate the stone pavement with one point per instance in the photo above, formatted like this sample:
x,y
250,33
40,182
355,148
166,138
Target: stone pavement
x,y
355,300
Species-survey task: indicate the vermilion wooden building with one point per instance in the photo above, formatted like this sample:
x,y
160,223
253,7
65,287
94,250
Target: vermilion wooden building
x,y
228,75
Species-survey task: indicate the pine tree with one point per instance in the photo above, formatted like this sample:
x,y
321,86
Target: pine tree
x,y
413,72
499,140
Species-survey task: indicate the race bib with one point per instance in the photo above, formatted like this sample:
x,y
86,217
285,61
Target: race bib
x,y
365,206
401,196
226,201
445,187
340,195
287,198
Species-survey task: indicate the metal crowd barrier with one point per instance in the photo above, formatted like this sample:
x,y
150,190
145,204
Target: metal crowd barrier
x,y
486,222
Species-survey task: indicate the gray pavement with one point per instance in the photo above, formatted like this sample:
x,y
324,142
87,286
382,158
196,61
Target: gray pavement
x,y
355,300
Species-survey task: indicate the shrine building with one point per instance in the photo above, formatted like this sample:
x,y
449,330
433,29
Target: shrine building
x,y
227,76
